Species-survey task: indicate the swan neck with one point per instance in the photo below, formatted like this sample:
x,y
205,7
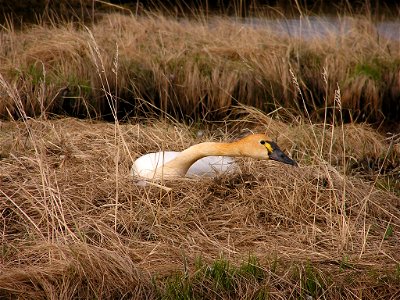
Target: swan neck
x,y
212,149
180,165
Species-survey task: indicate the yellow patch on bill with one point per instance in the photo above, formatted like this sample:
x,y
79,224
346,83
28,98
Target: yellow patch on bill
x,y
269,147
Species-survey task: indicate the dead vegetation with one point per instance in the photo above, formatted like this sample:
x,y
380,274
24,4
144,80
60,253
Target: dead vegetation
x,y
197,68
74,225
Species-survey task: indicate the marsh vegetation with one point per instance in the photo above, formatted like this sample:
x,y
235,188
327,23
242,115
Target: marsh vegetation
x,y
198,68
74,224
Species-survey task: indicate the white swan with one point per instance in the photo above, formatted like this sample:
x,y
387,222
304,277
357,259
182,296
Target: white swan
x,y
207,159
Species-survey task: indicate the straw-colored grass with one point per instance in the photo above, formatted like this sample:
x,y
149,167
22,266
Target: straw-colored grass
x,y
198,68
74,224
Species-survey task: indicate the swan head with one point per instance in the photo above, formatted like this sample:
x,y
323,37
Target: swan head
x,y
260,146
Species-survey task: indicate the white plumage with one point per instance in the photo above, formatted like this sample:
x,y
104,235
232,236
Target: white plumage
x,y
146,165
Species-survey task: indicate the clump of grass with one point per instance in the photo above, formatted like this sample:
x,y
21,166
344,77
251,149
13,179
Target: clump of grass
x,y
220,277
305,281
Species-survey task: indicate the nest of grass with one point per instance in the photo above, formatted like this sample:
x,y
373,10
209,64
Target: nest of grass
x,y
74,224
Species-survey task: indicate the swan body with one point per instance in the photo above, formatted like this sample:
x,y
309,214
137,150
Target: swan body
x,y
207,159
208,166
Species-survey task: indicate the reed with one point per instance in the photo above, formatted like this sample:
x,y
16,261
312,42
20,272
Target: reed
x,y
198,68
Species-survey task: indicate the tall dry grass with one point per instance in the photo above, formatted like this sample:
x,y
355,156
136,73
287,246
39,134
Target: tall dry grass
x,y
74,224
198,68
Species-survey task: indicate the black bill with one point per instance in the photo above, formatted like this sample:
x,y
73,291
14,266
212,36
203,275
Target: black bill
x,y
278,155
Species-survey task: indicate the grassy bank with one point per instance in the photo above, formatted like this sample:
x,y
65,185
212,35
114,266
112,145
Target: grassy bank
x,y
75,226
196,68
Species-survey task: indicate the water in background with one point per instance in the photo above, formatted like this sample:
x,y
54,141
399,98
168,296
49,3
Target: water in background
x,y
319,27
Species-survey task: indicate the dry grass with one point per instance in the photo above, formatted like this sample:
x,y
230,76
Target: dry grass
x,y
197,68
75,226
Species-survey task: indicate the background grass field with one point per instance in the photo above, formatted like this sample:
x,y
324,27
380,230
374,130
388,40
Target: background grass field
x,y
198,68
75,224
